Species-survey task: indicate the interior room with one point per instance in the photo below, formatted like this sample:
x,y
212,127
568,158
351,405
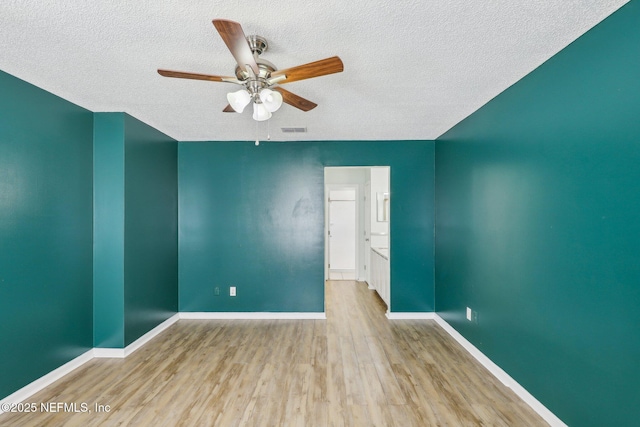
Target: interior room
x,y
131,204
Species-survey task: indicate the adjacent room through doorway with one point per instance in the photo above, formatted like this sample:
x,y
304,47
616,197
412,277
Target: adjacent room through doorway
x,y
357,215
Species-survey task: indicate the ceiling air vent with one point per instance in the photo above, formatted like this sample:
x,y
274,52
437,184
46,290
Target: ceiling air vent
x,y
294,130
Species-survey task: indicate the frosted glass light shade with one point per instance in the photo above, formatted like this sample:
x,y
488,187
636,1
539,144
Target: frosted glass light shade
x,y
271,99
260,112
238,100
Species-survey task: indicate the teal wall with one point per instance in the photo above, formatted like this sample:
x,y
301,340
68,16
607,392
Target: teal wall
x,y
108,229
151,228
136,244
537,198
253,217
45,232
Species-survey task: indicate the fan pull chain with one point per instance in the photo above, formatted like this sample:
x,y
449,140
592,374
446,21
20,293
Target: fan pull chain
x,y
268,132
256,132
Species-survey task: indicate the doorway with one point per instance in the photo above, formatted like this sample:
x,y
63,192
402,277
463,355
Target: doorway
x,y
357,215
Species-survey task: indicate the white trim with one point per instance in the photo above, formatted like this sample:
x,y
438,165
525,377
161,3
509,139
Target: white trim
x,y
501,375
343,274
410,316
253,315
108,353
150,335
344,270
46,380
121,353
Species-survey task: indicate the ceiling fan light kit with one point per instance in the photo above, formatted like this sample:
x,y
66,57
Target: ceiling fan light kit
x,y
238,100
260,78
272,100
260,112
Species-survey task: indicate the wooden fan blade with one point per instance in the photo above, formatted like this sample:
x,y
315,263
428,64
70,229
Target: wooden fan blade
x,y
295,100
233,36
193,76
312,69
228,109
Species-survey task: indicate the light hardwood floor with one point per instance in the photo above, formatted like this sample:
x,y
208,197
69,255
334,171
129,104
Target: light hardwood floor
x,y
355,369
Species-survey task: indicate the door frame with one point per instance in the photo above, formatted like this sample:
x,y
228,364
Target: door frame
x,y
367,232
341,182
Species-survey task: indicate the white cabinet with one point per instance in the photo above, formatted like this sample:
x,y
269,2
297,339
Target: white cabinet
x,y
380,273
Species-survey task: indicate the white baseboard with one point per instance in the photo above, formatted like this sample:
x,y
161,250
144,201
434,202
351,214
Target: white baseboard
x,y
409,316
121,353
46,380
150,335
501,375
252,316
108,353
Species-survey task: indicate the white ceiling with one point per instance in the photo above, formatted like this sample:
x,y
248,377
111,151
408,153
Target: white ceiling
x,y
413,68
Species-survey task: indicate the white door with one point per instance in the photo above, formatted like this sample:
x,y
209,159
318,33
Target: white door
x,y
342,234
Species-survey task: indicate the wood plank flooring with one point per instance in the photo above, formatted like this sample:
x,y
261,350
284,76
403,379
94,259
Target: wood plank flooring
x,y
355,369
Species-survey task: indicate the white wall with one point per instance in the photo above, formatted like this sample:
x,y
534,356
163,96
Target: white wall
x,y
379,230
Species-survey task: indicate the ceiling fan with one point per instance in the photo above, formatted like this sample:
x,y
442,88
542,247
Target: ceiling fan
x,y
260,78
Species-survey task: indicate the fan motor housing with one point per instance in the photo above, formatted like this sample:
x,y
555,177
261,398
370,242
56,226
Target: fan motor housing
x,y
266,68
258,45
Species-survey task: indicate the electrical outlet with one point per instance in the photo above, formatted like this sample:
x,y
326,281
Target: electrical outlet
x,y
216,291
232,291
469,312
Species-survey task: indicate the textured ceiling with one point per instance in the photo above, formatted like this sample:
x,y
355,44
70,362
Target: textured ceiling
x,y
413,68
